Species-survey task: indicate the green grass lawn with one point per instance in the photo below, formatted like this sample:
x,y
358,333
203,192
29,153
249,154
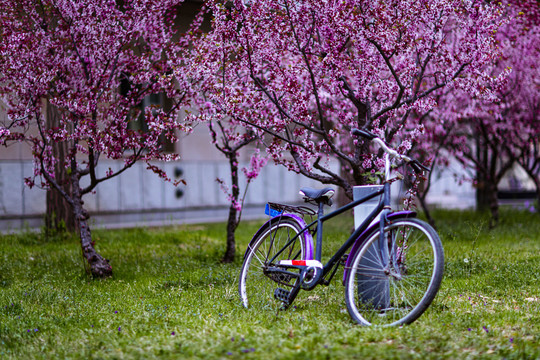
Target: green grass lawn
x,y
171,298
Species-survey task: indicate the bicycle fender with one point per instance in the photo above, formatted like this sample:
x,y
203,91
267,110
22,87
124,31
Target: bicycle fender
x,y
305,236
360,240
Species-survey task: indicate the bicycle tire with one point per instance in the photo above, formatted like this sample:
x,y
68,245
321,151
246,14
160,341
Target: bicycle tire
x,y
401,292
256,288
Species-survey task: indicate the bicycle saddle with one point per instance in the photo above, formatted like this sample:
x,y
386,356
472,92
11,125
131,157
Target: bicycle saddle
x,y
322,195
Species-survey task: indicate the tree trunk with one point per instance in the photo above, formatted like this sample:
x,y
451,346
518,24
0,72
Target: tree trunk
x,y
232,224
233,221
493,203
536,181
98,266
59,215
425,209
482,182
537,196
482,195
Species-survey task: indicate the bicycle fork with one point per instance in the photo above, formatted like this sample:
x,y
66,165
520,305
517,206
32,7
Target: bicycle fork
x,y
387,246
388,249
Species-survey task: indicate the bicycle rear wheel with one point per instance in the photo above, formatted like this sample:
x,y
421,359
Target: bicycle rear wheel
x,y
257,286
399,292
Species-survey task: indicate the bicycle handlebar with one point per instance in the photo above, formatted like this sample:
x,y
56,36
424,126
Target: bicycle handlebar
x,y
415,164
363,133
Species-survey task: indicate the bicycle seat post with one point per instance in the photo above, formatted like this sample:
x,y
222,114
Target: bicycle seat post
x,y
318,249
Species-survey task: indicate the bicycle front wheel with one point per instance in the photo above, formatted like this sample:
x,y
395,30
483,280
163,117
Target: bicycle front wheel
x,y
398,290
256,285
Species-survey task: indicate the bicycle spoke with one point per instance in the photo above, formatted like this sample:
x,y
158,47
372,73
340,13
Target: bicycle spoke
x,y
256,255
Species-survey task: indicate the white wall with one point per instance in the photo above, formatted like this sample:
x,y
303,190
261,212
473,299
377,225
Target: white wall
x,y
142,194
448,192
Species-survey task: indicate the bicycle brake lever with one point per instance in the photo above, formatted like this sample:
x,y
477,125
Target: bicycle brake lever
x,y
418,167
364,133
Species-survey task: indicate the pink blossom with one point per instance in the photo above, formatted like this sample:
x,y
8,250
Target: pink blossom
x,y
255,166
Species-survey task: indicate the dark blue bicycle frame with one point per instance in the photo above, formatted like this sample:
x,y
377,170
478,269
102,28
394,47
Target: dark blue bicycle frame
x,y
383,207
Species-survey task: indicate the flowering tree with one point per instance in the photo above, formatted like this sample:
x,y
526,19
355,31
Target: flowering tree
x,y
229,135
93,62
521,100
229,138
302,73
478,143
488,137
528,156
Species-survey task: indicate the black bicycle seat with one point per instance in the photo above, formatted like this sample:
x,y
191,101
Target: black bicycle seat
x,y
322,195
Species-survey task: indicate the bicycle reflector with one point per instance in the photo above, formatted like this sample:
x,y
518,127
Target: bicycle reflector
x,y
271,212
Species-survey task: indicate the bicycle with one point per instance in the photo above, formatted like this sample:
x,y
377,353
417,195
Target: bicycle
x,y
392,272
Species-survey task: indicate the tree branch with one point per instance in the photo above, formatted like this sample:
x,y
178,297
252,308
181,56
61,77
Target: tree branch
x,y
135,157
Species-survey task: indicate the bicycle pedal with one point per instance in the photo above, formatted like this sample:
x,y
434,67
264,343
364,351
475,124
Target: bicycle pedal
x,y
282,295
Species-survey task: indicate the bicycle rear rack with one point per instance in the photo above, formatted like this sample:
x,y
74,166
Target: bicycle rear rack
x,y
275,209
